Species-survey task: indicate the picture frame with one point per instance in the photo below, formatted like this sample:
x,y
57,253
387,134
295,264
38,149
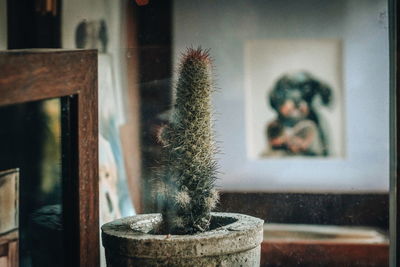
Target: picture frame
x,y
39,74
302,78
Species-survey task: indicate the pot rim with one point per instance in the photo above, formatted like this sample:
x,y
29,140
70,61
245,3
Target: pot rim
x,y
119,237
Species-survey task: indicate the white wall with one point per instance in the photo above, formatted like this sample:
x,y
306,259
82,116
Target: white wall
x,y
3,24
225,26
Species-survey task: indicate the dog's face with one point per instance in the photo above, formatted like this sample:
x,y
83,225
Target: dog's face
x,y
293,105
293,94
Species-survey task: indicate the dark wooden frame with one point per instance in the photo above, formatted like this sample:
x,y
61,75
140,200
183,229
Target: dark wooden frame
x,y
31,75
394,27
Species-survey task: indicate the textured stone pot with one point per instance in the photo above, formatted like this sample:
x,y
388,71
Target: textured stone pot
x,y
233,241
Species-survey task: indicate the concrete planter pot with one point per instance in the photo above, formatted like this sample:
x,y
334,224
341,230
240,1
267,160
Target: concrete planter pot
x,y
234,240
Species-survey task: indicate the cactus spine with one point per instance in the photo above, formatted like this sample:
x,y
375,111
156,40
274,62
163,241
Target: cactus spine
x,y
189,168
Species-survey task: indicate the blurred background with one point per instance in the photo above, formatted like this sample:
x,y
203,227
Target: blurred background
x,y
332,167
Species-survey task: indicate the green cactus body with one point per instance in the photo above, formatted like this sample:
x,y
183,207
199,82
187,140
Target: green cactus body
x,y
189,168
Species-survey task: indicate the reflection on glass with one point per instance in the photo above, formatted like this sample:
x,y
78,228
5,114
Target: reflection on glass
x,y
302,113
30,138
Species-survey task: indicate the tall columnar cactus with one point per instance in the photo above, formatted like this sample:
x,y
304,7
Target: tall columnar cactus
x,y
189,167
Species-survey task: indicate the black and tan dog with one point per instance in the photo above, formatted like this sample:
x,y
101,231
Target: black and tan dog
x,y
297,128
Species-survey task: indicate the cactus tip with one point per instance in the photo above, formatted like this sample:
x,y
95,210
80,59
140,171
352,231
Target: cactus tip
x,y
197,54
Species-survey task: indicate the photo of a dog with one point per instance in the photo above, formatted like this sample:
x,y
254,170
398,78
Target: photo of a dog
x,y
297,128
295,101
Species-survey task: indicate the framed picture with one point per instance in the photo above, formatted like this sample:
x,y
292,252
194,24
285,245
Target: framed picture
x,y
294,103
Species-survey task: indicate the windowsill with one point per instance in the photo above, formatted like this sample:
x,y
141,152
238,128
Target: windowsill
x,y
291,244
